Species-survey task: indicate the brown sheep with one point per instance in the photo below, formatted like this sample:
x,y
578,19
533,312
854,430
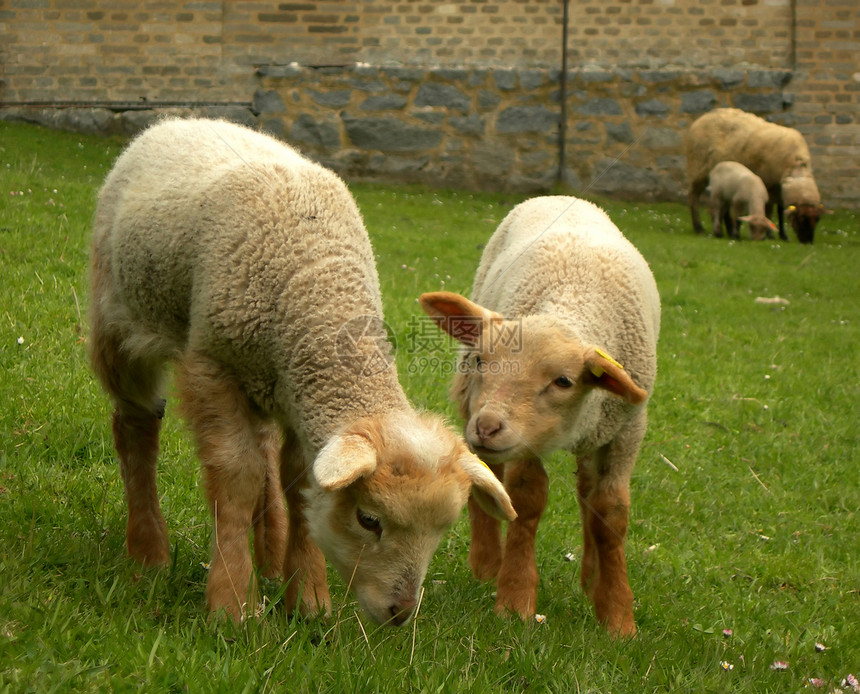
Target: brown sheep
x,y
777,154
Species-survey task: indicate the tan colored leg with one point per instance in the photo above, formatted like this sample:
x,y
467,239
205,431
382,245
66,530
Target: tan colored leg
x,y
304,564
528,486
234,474
485,546
584,486
610,592
135,387
603,481
136,439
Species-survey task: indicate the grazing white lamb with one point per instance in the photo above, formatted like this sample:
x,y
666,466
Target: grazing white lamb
x,y
226,252
777,154
738,195
558,290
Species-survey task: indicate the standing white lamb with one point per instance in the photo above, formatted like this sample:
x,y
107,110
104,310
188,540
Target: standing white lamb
x,y
226,252
777,154
558,290
738,195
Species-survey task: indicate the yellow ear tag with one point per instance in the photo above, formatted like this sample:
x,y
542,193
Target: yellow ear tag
x,y
596,370
483,463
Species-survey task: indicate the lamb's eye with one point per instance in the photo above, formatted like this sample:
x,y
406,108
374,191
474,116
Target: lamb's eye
x,y
563,382
369,522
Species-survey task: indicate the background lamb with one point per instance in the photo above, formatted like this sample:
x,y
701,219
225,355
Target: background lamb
x,y
737,194
228,253
777,154
557,285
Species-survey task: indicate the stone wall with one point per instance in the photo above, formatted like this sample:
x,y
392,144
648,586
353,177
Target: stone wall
x,y
462,93
484,128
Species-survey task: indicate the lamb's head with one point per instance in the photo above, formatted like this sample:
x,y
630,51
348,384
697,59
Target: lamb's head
x,y
760,226
521,384
382,494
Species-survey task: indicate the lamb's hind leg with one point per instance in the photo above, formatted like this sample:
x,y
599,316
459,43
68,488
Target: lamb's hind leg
x,y
135,432
135,387
227,434
604,497
528,486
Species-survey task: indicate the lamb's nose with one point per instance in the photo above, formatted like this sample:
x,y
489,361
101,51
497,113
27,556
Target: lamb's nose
x,y
488,425
401,611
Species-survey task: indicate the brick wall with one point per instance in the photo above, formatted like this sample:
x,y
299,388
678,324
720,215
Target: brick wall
x,y
827,94
480,75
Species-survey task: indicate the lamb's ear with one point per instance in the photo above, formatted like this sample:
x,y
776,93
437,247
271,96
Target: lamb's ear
x,y
343,460
602,371
487,489
456,315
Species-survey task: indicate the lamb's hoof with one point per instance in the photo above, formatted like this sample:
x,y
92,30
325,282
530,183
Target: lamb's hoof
x,y
147,544
516,606
627,630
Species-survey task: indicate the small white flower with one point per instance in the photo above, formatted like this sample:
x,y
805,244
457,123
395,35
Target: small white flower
x,y
261,607
540,618
726,665
21,340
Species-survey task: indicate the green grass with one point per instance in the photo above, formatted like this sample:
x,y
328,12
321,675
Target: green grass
x,y
745,497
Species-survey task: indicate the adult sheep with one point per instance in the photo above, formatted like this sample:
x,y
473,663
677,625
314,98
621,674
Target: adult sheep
x,y
777,154
558,290
226,252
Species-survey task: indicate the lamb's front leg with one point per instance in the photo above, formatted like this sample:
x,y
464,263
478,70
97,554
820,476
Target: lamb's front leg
x,y
270,518
304,563
717,218
528,486
485,544
234,475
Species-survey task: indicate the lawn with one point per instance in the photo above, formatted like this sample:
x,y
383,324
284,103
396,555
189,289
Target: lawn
x,y
742,549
